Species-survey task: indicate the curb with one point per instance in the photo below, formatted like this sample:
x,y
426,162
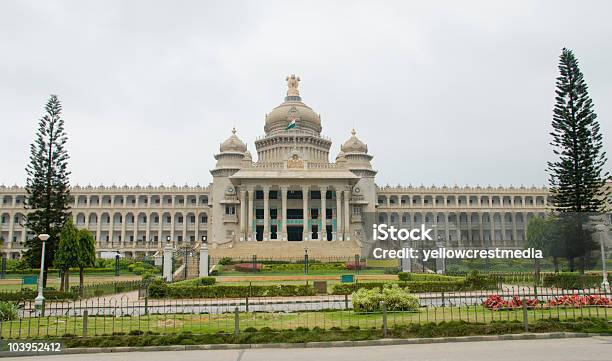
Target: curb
x,y
320,344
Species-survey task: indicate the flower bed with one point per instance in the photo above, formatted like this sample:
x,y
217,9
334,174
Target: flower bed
x,y
496,302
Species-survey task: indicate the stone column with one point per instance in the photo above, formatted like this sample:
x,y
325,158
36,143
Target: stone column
x,y
266,198
148,229
98,229
243,221
204,260
10,230
492,218
469,232
306,230
250,211
514,237
167,271
503,228
323,231
480,228
347,215
339,226
111,227
284,213
172,228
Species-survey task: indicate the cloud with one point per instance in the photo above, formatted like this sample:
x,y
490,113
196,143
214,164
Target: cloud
x,y
455,93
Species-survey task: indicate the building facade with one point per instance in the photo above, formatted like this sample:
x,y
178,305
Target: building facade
x,y
292,199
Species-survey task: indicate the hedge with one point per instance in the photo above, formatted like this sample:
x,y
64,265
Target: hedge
x,y
29,294
417,286
107,288
572,280
35,271
162,290
405,276
202,281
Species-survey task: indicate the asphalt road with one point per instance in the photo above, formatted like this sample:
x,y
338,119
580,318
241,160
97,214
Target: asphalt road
x,y
575,349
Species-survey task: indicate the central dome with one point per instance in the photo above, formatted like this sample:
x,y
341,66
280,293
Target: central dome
x,y
292,109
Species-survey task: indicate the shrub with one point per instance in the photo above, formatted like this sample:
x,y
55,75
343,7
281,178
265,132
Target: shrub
x,y
8,311
202,281
225,261
476,281
571,280
149,276
30,294
158,289
299,267
162,290
413,286
395,298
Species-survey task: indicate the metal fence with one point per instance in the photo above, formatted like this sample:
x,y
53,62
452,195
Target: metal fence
x,y
136,316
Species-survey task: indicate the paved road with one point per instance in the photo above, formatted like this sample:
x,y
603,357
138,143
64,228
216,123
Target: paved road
x,y
576,349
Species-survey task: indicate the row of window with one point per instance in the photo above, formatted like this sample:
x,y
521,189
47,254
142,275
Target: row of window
x,y
121,200
464,200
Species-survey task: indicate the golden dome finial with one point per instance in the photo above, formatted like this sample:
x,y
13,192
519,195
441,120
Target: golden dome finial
x,y
292,85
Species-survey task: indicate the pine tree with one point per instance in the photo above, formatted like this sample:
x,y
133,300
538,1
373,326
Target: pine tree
x,y
47,186
577,176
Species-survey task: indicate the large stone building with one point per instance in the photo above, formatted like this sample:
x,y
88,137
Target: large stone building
x,y
291,199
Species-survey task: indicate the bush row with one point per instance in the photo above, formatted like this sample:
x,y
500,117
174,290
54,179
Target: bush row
x,y
29,294
395,299
161,290
405,276
572,280
421,286
202,281
35,271
107,288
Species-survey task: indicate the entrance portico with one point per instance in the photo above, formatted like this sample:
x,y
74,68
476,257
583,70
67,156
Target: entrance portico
x,y
291,205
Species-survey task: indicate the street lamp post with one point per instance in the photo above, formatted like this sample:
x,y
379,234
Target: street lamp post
x,y
604,283
40,299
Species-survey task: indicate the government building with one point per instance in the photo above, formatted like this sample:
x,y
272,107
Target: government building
x,y
291,200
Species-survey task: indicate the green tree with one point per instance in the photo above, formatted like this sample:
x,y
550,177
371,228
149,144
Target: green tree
x,y
68,253
86,253
576,176
47,186
539,236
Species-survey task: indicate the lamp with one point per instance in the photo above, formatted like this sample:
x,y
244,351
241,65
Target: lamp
x,y
40,299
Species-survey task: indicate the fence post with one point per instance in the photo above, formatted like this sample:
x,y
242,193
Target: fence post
x,y
247,303
525,316
85,313
146,305
384,310
236,322
346,302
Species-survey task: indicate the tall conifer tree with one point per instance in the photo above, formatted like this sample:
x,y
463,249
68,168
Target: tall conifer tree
x,y
577,175
47,186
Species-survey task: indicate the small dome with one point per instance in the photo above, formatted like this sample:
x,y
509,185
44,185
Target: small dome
x,y
233,144
354,145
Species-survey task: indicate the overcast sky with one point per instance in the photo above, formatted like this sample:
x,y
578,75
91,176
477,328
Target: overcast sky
x,y
442,92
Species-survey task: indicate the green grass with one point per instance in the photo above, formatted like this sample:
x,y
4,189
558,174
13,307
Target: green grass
x,y
298,273
224,323
444,329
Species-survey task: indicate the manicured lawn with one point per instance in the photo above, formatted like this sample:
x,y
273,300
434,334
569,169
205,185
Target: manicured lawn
x,y
13,282
207,323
